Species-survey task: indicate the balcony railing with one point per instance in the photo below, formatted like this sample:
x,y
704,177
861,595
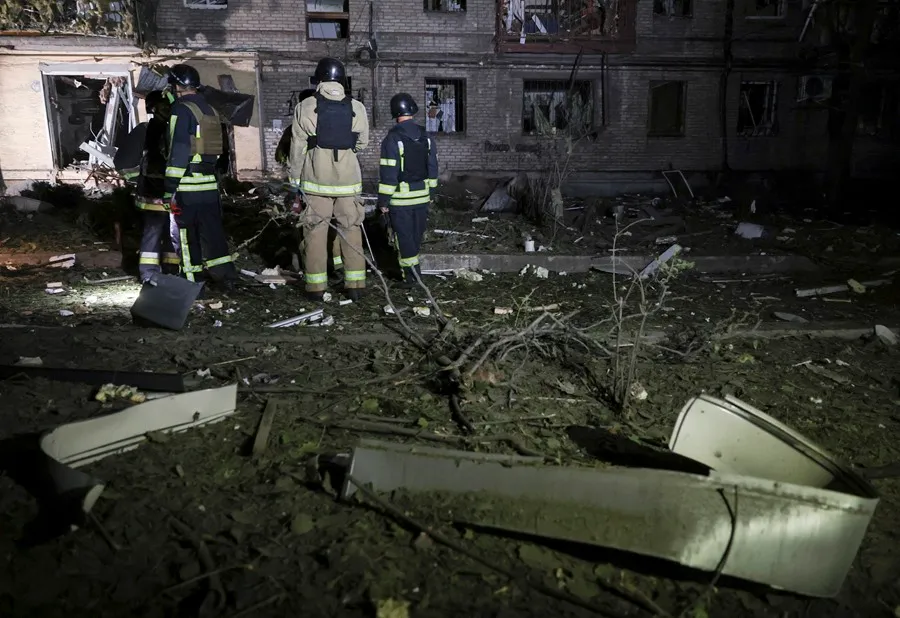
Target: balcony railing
x,y
558,25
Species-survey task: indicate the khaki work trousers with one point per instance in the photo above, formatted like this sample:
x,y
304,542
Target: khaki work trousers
x,y
348,213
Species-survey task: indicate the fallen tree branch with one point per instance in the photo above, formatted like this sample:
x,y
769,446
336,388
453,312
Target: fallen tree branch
x,y
554,593
215,582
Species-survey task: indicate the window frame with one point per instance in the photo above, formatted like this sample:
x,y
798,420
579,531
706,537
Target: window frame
x,y
460,118
771,110
342,18
655,84
204,5
676,15
586,86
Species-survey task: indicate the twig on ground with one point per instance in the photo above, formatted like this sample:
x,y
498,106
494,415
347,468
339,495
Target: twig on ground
x,y
215,582
203,576
102,530
554,593
258,606
458,415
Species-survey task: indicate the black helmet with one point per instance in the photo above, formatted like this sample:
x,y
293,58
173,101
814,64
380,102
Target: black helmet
x,y
402,104
184,75
152,100
330,70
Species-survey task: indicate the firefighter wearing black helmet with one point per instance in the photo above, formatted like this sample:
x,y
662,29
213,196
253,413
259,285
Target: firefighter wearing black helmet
x,y
195,145
142,160
329,129
283,156
408,174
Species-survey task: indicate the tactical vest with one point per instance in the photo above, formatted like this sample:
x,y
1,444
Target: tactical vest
x,y
414,158
207,139
334,125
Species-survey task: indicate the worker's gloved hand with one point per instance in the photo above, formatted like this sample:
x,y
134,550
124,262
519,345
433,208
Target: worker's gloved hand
x,y
298,204
384,210
174,208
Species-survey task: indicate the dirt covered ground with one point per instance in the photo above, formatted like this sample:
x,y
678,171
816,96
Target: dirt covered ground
x,y
277,544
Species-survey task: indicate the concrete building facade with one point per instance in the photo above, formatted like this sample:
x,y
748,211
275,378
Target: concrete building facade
x,y
663,83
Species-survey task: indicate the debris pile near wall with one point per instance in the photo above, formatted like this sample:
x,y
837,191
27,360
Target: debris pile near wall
x,y
104,17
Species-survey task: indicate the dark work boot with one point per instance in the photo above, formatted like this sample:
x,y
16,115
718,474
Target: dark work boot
x,y
316,297
354,294
336,278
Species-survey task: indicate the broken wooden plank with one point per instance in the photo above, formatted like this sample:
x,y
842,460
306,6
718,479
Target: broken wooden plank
x,y
261,441
146,381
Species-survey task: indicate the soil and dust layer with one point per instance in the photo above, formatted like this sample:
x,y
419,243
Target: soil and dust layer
x,y
192,524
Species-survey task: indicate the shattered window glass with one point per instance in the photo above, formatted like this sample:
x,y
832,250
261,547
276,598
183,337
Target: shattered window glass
x,y
556,107
206,4
445,105
446,6
757,109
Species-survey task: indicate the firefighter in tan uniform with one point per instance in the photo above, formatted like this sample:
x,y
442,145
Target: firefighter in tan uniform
x,y
282,156
329,128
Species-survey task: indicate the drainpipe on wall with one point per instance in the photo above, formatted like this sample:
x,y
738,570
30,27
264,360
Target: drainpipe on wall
x,y
373,48
263,159
726,73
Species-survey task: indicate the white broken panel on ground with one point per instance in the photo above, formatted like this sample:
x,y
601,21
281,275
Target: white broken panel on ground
x,y
84,442
776,509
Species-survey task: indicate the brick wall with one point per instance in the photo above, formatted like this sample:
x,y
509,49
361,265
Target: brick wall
x,y
415,44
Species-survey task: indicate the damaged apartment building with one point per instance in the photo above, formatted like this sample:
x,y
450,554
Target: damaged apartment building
x,y
630,87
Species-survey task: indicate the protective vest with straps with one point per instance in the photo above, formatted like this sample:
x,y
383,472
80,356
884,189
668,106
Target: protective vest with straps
x,y
192,162
404,177
413,158
334,125
207,139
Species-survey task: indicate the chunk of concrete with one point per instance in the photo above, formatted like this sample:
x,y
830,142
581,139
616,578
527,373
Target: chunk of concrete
x,y
28,204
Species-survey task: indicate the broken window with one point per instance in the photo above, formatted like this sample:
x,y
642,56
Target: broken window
x,y
672,8
542,20
206,4
327,19
446,6
88,115
765,8
558,107
445,101
757,109
667,108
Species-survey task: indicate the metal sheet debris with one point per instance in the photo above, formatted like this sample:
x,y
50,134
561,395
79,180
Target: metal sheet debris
x,y
303,317
83,442
798,530
836,289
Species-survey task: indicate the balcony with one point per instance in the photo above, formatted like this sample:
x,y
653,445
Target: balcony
x,y
565,26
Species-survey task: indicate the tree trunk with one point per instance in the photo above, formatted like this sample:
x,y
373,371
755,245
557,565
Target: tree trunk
x,y
852,65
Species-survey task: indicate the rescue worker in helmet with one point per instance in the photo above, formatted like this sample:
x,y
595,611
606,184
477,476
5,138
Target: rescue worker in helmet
x,y
329,129
158,239
408,176
283,155
142,161
191,185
